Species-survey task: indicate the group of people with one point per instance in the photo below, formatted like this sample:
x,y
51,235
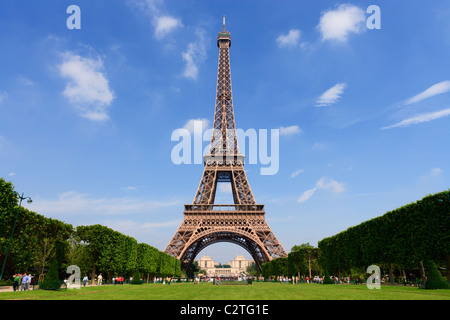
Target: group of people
x,y
118,280
115,280
165,280
286,280
23,281
319,279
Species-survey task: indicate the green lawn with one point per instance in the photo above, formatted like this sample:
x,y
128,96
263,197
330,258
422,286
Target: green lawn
x,y
256,291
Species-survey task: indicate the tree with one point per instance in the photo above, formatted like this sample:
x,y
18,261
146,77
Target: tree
x,y
77,254
147,259
298,264
45,252
252,270
93,248
136,278
51,280
195,269
310,253
404,237
434,278
92,236
168,265
265,271
8,204
327,279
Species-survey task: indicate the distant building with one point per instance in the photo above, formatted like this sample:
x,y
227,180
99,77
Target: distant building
x,y
238,266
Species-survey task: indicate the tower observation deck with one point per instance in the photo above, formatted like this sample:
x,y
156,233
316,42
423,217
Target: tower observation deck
x,y
224,39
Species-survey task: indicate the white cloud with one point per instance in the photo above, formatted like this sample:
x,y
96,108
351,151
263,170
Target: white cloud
x,y
338,24
332,95
296,173
287,131
11,174
435,172
436,89
306,195
165,24
194,54
319,146
88,88
289,40
432,176
74,203
25,81
336,187
190,69
130,226
196,124
325,184
3,96
129,188
425,117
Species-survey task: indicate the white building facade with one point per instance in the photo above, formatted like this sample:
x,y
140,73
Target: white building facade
x,y
238,266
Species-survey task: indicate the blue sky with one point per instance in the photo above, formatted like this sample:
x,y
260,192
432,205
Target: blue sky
x,y
86,115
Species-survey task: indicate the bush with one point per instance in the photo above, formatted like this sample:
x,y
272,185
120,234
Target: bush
x,y
51,280
6,283
327,279
136,278
434,278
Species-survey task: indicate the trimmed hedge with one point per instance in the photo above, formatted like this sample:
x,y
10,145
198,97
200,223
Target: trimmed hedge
x,y
434,279
96,248
327,279
405,236
51,280
136,278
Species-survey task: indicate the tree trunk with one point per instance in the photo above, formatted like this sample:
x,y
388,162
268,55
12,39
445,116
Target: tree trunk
x,y
422,272
93,275
309,266
447,272
391,274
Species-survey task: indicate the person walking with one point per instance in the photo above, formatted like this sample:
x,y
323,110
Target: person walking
x,y
24,285
32,279
100,279
85,280
16,281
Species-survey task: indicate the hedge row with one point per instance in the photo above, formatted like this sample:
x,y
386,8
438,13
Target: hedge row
x,y
407,237
38,240
114,253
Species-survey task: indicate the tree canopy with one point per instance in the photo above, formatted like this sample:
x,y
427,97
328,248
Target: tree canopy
x,y
94,248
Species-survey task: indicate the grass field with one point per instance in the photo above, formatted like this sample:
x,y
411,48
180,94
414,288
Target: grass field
x,y
256,291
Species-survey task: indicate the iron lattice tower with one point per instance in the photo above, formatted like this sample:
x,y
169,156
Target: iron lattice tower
x,y
242,223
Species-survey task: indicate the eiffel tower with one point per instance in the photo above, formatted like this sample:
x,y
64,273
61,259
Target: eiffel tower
x,y
242,223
